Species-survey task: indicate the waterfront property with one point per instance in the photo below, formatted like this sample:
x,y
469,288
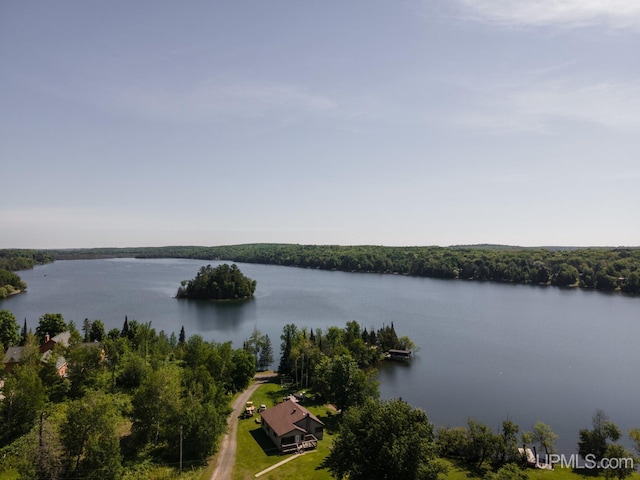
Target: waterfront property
x,y
400,355
292,427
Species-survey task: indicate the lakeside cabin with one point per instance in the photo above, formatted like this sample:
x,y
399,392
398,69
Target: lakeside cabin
x,y
398,355
291,427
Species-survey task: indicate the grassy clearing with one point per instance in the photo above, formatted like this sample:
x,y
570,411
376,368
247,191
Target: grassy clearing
x,y
255,452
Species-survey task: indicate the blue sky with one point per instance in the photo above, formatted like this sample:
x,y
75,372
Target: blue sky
x,y
411,122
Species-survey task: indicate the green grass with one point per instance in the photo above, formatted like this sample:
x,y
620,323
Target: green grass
x,y
255,452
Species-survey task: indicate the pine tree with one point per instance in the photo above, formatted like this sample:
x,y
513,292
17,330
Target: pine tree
x,y
86,328
24,333
181,338
125,327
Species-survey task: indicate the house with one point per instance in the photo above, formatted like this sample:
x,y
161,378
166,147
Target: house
x,y
13,355
50,342
292,427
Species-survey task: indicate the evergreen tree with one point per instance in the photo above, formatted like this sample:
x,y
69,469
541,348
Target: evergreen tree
x,y
181,338
125,328
23,333
86,328
266,354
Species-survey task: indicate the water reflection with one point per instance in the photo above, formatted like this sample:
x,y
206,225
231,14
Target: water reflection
x,y
209,316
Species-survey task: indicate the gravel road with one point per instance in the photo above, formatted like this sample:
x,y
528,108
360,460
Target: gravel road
x,y
227,455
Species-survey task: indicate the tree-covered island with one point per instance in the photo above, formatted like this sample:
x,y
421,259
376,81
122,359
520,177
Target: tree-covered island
x,y
223,282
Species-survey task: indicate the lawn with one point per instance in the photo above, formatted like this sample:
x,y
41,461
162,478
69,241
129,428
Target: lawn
x,y
255,452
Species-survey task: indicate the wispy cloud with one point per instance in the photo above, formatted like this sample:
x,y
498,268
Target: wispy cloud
x,y
220,100
536,107
567,13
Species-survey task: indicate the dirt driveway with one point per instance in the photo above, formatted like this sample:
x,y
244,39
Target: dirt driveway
x,y
227,455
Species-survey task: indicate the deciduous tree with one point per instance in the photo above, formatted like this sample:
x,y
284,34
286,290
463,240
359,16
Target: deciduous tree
x,y
50,324
90,439
25,397
9,329
342,382
387,440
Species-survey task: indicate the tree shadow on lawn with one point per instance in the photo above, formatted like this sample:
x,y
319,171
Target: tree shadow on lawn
x,y
331,421
267,446
278,396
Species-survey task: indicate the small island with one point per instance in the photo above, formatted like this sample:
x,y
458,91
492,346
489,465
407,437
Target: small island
x,y
223,282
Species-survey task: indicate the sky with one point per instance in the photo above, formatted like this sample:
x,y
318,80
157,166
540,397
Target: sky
x,y
408,122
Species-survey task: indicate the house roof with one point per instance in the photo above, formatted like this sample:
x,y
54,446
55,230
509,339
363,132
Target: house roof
x,y
60,360
13,355
62,338
284,417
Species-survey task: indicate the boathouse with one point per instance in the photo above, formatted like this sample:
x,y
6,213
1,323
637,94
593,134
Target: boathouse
x,y
402,355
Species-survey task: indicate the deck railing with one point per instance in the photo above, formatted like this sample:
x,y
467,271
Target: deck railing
x,y
309,442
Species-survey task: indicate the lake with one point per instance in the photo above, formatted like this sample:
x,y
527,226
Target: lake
x,y
487,350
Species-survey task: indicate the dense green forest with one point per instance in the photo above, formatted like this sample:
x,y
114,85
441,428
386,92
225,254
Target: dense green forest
x,y
23,259
610,269
128,396
223,282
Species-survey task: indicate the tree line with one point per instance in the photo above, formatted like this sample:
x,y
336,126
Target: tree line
x,y
609,269
338,363
130,398
382,440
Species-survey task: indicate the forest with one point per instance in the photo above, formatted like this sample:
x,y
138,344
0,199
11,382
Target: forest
x,y
609,269
114,404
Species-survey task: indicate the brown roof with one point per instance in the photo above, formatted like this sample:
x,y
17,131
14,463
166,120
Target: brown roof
x,y
283,417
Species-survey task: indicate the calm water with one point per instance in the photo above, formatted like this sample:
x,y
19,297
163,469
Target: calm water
x,y
488,350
